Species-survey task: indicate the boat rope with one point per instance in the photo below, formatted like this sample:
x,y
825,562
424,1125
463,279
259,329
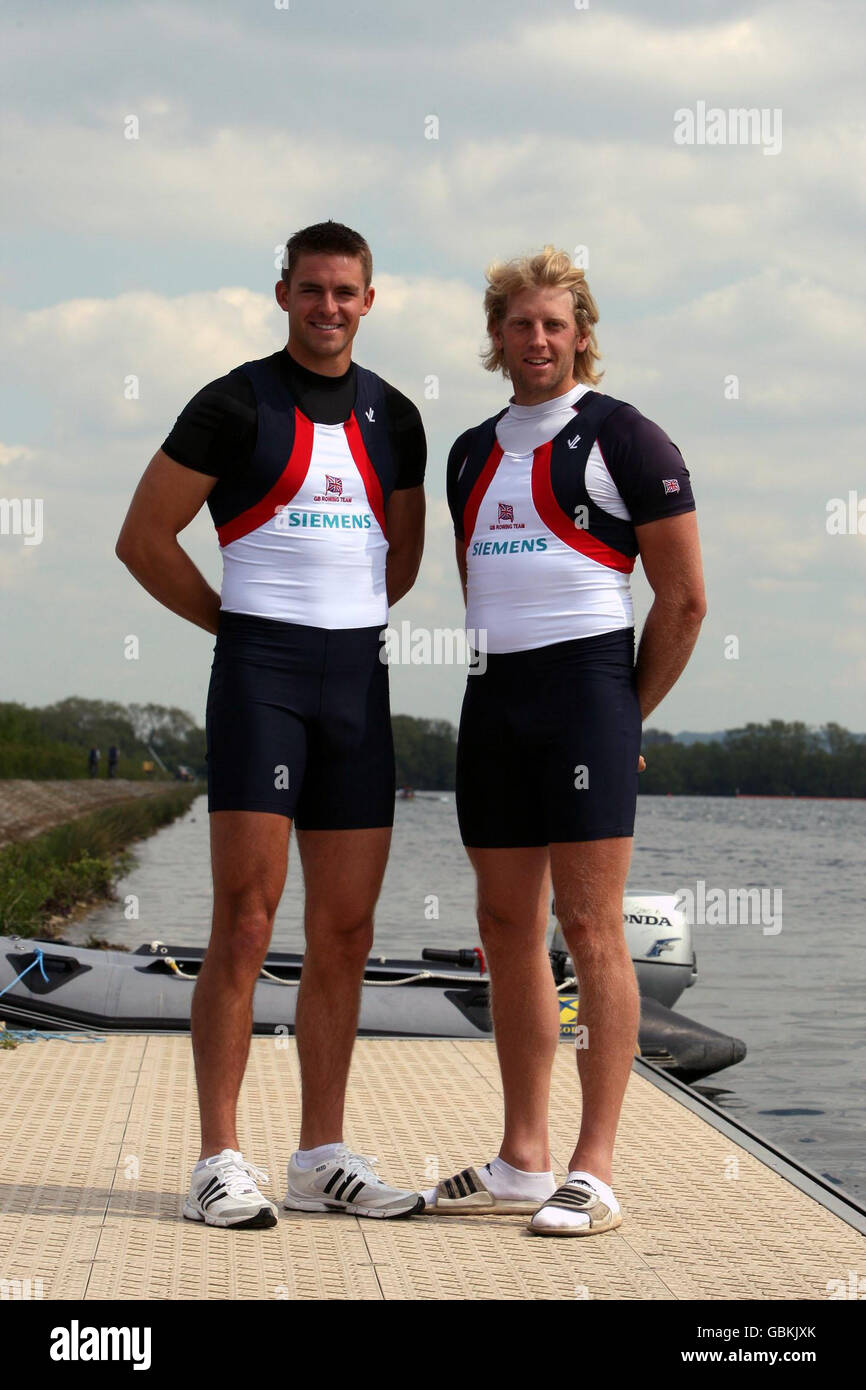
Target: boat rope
x,y
175,968
39,953
34,1035
409,979
275,979
406,980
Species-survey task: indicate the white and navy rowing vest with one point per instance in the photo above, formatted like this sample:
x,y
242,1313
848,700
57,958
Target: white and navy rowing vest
x,y
549,538
302,530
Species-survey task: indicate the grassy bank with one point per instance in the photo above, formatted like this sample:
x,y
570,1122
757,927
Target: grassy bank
x,y
59,875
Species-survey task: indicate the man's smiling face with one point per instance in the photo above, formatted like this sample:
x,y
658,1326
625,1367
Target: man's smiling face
x,y
325,300
539,338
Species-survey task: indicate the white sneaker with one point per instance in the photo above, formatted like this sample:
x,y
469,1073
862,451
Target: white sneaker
x,y
347,1182
224,1193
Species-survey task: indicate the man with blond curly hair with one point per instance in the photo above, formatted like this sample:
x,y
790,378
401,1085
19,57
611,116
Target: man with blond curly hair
x,y
553,499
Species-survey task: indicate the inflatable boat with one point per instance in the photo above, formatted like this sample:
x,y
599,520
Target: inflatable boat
x,y
444,994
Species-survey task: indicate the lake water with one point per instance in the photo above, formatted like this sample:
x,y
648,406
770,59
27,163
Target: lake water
x,y
795,996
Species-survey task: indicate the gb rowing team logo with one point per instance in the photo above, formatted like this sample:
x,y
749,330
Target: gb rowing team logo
x,y
505,519
333,491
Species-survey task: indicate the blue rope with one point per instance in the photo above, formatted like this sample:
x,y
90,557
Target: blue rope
x,y
32,1035
38,961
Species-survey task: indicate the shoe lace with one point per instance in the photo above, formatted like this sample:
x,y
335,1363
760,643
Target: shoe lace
x,y
240,1177
362,1164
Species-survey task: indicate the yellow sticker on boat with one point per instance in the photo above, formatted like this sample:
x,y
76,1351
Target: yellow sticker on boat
x,y
568,1016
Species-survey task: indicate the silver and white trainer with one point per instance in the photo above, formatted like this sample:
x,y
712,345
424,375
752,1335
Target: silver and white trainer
x,y
347,1182
224,1193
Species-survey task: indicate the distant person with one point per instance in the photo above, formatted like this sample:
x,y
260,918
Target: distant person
x,y
113,759
93,762
553,499
312,468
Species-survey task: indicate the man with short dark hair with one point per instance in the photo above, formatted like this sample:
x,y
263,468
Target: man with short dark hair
x,y
312,468
553,499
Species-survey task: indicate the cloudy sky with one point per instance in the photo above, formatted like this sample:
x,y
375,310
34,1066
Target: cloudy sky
x,y
730,279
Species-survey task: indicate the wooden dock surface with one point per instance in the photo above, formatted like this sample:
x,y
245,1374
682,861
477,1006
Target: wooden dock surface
x,y
100,1138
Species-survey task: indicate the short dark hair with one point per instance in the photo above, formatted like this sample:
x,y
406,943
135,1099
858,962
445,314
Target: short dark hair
x,y
331,239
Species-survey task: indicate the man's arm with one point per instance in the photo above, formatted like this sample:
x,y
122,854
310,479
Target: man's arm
x,y
404,522
671,555
165,501
457,456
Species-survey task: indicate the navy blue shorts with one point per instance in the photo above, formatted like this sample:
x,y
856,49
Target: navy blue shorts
x,y
298,722
548,745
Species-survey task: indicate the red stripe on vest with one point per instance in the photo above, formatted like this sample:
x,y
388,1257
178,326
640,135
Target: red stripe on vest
x,y
369,477
556,520
283,490
476,496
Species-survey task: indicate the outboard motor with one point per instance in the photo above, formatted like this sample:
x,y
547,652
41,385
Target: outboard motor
x,y
659,939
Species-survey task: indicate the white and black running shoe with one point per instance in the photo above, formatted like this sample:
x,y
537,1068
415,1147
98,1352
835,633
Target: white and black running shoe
x,y
224,1193
348,1183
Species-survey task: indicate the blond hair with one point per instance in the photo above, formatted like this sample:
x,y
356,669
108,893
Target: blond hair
x,y
547,269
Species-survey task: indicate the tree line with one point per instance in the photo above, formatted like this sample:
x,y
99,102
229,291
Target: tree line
x,y
772,759
55,741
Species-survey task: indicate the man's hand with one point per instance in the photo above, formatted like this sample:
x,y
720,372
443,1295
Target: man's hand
x,y
165,501
671,555
404,524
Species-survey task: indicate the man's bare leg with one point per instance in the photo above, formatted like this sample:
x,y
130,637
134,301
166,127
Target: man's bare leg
x,y
588,884
343,872
513,914
249,855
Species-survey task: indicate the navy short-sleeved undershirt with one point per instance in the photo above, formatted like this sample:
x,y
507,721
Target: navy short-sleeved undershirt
x,y
215,432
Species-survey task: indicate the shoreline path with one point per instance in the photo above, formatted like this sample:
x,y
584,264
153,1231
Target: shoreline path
x,y
27,808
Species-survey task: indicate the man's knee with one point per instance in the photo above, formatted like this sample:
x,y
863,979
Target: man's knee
x,y
589,932
242,932
496,925
349,935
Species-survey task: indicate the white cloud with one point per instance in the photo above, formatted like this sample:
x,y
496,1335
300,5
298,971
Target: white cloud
x,y
14,453
795,345
178,180
94,346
